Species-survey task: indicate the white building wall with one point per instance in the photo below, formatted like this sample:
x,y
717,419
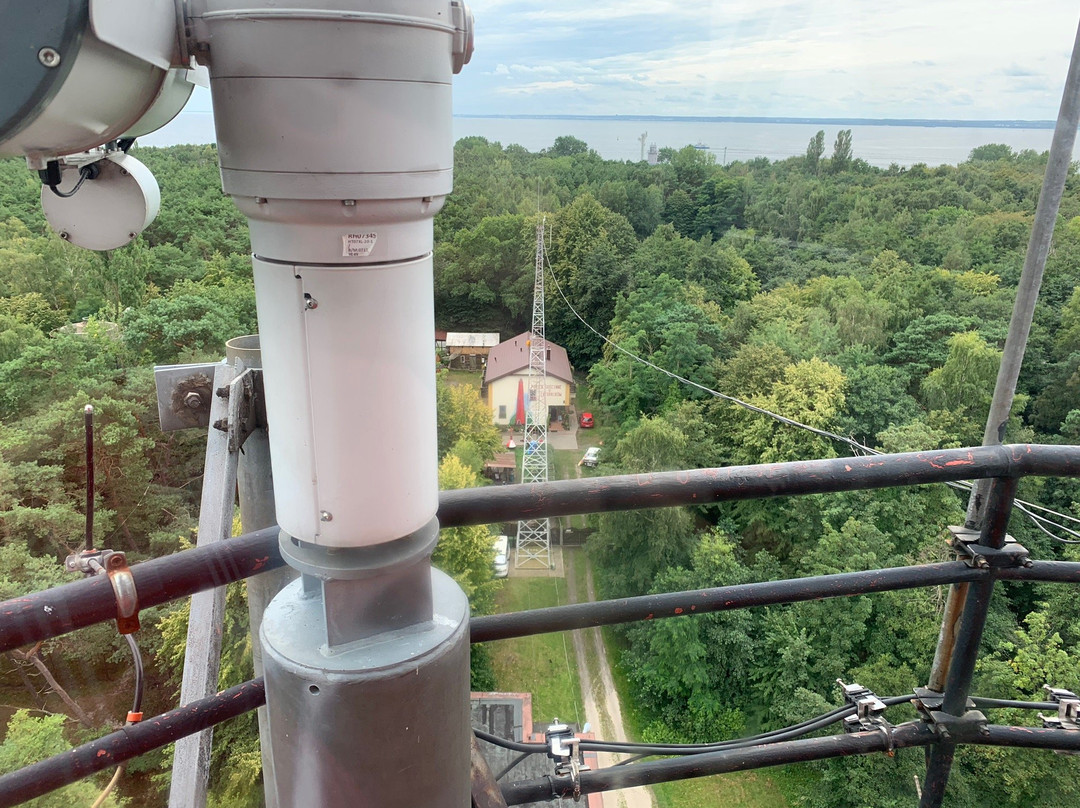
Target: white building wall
x,y
502,395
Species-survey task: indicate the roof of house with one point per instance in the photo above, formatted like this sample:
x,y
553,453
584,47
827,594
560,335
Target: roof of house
x,y
512,356
471,339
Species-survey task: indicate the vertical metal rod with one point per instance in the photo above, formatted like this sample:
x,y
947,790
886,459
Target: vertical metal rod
x,y
202,658
965,653
88,424
255,487
1027,292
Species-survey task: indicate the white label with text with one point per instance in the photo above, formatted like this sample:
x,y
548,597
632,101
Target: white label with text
x,y
358,245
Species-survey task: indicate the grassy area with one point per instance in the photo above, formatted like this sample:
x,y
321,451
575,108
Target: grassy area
x,y
542,665
471,378
740,790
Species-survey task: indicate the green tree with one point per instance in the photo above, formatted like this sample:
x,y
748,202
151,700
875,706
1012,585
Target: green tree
x,y
841,156
30,739
463,416
815,149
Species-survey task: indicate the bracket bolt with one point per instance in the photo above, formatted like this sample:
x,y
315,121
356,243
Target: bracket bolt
x,y
310,303
50,57
982,563
193,400
326,516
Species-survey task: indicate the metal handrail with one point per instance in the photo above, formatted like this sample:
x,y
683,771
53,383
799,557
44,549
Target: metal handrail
x,y
48,614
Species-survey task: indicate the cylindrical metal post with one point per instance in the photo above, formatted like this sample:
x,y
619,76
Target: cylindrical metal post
x,y
394,706
255,487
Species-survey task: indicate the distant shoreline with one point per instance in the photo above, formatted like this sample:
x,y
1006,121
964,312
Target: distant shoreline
x,y
920,122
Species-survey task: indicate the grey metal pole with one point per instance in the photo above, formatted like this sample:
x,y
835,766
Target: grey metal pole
x,y
255,486
1027,293
965,651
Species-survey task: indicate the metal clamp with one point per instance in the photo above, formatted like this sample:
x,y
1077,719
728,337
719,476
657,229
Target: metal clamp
x,y
1068,714
114,564
869,712
563,748
966,543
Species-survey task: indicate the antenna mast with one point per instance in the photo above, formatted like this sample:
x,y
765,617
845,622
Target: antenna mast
x,y
534,535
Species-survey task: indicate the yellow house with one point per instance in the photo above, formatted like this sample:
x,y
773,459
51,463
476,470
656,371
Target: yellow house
x,y
508,369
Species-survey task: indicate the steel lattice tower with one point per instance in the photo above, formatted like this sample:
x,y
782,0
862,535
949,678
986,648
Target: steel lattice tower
x,y
534,536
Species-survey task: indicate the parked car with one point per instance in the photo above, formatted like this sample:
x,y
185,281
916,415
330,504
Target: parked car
x,y
586,420
502,561
591,458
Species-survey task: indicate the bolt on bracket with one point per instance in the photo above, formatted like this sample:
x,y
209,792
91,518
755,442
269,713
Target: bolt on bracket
x,y
564,749
1068,714
869,712
966,543
114,564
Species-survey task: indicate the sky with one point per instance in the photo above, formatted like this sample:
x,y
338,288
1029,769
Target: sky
x,y
951,59
803,58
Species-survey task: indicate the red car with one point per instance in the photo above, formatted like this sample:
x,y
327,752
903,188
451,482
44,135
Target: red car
x,y
586,420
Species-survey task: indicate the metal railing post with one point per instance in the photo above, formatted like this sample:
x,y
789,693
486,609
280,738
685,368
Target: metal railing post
x,y
965,652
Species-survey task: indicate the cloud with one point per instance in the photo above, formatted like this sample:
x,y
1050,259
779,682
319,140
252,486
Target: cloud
x,y
826,58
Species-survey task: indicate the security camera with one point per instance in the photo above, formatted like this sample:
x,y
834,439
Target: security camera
x,y
81,81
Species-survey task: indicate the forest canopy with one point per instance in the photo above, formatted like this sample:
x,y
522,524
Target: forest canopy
x,y
872,303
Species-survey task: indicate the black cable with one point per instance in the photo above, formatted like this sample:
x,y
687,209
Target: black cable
x,y
512,764
88,425
516,746
136,655
772,736
981,701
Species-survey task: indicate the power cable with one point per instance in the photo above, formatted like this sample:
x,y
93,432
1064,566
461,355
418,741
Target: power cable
x,y
648,750
133,717
859,448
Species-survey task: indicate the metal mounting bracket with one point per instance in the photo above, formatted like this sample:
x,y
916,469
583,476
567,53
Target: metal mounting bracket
x,y
948,726
114,564
564,749
184,393
1068,714
966,543
869,712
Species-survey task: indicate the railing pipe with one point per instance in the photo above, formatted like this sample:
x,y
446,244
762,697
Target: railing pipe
x,y
724,598
43,615
702,765
705,486
129,742
777,754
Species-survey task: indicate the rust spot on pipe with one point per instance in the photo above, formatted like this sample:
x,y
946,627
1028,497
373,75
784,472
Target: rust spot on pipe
x,y
678,610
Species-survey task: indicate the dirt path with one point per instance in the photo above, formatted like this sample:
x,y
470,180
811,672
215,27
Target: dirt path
x,y
602,708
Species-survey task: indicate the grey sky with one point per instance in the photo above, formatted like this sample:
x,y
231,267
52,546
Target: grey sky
x,y
960,59
821,58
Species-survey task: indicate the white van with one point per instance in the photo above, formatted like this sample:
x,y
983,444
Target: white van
x,y
502,561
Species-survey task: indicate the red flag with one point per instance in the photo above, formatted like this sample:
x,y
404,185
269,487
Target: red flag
x,y
520,416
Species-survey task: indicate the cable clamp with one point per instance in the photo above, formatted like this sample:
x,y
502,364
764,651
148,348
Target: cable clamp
x,y
133,717
869,713
564,748
966,544
114,564
1068,714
